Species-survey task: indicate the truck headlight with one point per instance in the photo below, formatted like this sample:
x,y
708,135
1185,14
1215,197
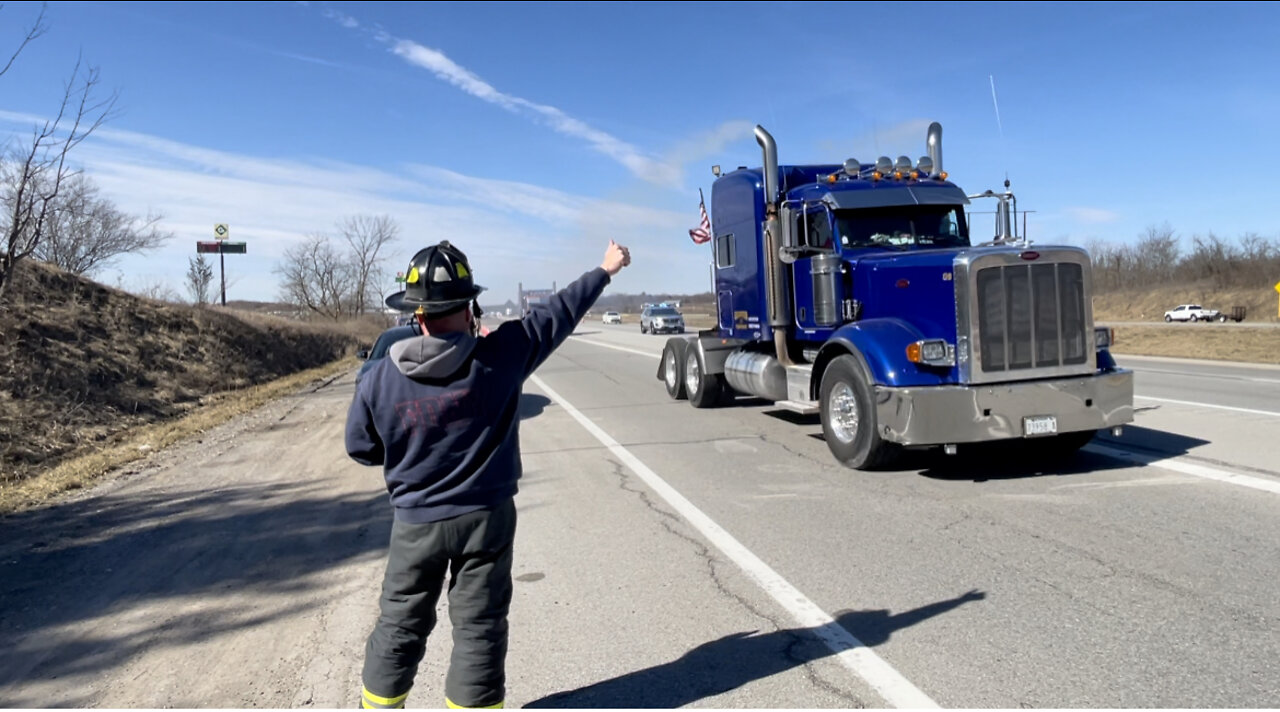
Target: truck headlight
x,y
1104,337
932,352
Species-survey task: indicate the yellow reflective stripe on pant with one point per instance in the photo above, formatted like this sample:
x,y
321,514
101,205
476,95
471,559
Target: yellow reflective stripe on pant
x,y
450,704
377,702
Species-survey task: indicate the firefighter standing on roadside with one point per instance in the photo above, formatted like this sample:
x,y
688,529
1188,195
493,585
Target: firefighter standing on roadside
x,y
440,414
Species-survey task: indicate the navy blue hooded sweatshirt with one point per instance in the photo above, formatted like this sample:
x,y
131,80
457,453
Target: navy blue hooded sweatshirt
x,y
441,413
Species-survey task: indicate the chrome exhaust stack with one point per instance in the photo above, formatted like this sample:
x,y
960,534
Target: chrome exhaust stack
x,y
775,271
934,145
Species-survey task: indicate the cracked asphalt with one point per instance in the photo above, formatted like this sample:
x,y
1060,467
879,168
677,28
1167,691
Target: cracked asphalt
x,y
242,569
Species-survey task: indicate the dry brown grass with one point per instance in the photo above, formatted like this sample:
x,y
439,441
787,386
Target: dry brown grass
x,y
1151,304
1200,341
82,364
87,465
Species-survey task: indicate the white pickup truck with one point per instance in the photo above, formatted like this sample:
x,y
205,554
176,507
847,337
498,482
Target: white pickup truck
x,y
1192,312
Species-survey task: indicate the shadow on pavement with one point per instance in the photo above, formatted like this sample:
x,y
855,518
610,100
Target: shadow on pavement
x,y
1150,441
735,660
532,405
981,462
68,564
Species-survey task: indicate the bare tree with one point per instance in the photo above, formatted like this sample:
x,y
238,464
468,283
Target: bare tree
x,y
366,235
88,231
317,278
1155,257
34,174
199,279
38,28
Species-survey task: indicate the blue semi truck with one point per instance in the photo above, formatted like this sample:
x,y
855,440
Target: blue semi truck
x,y
855,291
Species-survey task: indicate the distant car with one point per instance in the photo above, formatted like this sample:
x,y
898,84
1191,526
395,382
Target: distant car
x,y
383,345
1192,312
661,319
612,317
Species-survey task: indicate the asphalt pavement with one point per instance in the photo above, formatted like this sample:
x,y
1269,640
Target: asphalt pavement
x,y
670,557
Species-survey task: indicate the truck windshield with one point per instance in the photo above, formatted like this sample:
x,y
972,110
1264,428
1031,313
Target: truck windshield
x,y
902,226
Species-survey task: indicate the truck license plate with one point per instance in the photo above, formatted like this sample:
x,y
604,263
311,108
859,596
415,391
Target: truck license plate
x,y
1039,425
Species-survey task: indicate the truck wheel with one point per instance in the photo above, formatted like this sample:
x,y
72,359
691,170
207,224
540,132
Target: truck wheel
x,y
849,422
642,329
673,355
1194,318
1167,318
704,390
1222,318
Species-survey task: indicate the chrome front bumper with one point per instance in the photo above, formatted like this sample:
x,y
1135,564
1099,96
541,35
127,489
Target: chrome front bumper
x,y
940,415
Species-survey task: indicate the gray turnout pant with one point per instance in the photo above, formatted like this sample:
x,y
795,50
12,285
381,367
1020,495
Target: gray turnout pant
x,y
475,550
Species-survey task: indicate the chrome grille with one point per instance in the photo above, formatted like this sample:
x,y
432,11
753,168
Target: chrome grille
x,y
1032,316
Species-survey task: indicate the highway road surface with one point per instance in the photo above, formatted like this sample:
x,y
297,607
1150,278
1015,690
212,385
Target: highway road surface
x,y
673,557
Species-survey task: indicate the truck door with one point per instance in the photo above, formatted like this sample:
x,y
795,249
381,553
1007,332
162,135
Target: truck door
x,y
816,277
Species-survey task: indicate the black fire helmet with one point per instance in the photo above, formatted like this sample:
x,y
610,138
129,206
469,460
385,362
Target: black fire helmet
x,y
438,280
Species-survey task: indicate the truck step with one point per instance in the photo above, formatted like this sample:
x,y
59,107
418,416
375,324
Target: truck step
x,y
801,407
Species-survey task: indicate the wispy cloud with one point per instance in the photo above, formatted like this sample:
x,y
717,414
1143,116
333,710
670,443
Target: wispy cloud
x,y
513,231
1092,216
435,61
641,164
342,18
307,58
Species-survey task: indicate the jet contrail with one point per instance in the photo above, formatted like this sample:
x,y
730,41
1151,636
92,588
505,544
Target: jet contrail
x,y
995,103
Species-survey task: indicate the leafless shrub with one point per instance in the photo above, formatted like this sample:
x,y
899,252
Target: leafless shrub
x,y
87,231
366,236
322,278
157,289
34,173
1157,259
199,279
317,277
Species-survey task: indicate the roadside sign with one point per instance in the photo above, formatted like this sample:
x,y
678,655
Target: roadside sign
x,y
222,247
399,277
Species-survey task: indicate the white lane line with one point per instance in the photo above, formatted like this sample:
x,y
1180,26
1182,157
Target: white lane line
x,y
896,690
615,348
1188,468
1251,411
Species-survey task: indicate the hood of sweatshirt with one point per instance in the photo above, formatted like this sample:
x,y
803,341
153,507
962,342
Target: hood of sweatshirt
x,y
432,356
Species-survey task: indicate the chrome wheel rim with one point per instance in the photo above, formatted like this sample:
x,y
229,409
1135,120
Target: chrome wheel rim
x,y
692,374
670,366
842,413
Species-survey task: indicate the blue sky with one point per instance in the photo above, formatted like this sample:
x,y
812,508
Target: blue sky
x,y
531,133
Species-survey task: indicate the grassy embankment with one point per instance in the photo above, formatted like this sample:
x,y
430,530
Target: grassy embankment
x,y
92,378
